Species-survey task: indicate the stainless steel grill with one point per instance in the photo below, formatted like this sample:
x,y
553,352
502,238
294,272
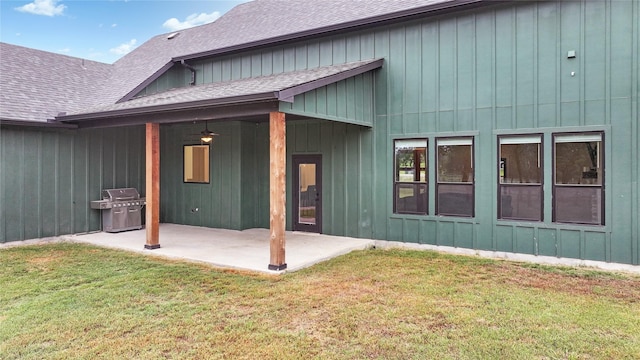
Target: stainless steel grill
x,y
121,209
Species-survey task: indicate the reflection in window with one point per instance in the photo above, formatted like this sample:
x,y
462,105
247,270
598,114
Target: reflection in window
x,y
307,194
578,178
410,176
454,188
520,176
196,164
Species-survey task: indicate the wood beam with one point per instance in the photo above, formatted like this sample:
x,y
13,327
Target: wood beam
x,y
152,186
277,189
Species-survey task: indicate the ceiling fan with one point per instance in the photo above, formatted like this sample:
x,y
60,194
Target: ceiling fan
x,y
206,135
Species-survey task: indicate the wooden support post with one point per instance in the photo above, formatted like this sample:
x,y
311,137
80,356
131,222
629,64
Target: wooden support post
x,y
153,186
277,189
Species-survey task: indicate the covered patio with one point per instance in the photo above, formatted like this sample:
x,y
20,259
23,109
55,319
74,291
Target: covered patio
x,y
274,99
229,249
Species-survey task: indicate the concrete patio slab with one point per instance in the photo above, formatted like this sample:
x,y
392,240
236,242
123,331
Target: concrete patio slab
x,y
230,249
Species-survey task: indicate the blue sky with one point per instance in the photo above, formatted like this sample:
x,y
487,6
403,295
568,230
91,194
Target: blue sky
x,y
100,30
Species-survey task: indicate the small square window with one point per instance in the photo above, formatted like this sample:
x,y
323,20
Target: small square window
x,y
196,164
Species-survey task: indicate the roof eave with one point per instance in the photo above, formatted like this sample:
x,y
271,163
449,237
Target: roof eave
x,y
39,124
147,110
288,94
433,9
253,111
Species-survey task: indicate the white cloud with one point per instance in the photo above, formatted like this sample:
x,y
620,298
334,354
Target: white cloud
x,y
64,51
114,25
192,20
125,48
43,7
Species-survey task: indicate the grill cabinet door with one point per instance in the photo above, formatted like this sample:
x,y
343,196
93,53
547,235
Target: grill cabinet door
x,y
119,218
134,219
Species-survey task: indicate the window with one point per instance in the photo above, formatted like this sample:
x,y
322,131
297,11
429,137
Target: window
x,y
520,177
578,178
196,164
454,186
410,178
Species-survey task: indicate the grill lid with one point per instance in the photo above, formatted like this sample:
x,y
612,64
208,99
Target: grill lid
x,y
120,194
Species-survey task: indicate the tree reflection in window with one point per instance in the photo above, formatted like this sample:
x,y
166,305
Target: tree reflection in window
x,y
410,176
578,174
520,195
455,187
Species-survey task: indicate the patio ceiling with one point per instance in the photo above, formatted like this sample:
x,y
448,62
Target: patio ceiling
x,y
244,98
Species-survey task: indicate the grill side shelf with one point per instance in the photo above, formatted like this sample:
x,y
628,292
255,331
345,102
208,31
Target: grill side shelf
x,y
101,204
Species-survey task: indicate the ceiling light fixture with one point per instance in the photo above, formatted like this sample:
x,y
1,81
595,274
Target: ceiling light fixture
x,y
207,135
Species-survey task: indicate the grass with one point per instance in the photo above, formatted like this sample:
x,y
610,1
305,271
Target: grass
x,y
64,301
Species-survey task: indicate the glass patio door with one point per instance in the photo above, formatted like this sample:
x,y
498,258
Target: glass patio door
x,y
307,191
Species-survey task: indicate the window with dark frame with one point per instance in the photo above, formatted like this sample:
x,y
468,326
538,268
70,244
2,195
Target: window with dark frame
x,y
578,178
455,177
520,177
196,164
410,177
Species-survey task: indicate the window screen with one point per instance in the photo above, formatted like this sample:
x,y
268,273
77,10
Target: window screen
x,y
455,177
410,176
520,177
578,178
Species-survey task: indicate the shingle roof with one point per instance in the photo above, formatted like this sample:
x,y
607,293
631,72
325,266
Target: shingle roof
x,y
281,86
27,76
271,19
35,85
246,24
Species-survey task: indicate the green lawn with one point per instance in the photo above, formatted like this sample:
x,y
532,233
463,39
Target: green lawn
x,y
63,301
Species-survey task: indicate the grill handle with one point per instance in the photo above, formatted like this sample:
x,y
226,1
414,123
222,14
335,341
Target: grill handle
x,y
125,198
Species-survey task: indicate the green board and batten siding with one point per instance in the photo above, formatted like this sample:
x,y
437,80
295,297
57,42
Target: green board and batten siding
x,y
48,177
499,70
348,101
235,194
238,194
506,71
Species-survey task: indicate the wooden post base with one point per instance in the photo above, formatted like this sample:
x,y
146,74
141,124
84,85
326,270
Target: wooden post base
x,y
151,247
277,267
